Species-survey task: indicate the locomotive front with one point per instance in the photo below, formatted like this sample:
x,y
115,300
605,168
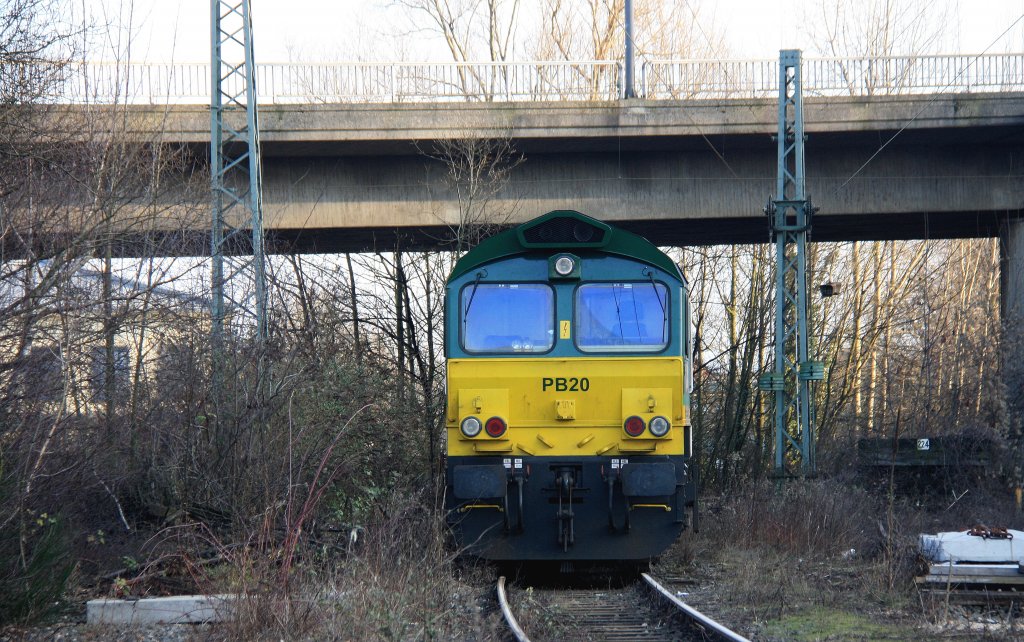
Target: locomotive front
x,y
568,424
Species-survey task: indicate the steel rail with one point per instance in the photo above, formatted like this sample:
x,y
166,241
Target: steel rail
x,y
698,617
510,619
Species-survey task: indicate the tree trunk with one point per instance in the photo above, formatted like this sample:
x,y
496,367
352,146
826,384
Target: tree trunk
x,y
355,308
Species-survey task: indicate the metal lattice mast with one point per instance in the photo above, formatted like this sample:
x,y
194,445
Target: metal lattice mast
x,y
236,175
790,213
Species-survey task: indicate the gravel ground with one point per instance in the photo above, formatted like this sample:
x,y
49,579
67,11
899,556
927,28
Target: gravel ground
x,y
80,632
71,627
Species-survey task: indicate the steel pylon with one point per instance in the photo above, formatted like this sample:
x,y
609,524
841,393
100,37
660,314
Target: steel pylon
x,y
790,213
235,170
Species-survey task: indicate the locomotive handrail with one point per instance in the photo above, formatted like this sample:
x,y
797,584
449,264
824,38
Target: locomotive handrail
x,y
585,80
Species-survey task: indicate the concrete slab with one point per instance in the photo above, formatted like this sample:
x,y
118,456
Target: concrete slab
x,y
176,609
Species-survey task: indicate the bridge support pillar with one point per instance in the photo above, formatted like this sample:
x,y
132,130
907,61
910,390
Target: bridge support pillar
x,y
1011,269
1011,281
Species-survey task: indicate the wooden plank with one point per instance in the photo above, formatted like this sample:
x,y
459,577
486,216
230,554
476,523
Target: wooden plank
x,y
971,579
982,596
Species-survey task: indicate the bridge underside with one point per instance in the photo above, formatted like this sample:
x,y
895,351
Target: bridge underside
x,y
701,193
670,232
961,175
375,177
679,232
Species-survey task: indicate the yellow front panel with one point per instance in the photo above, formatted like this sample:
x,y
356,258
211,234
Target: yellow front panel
x,y
568,406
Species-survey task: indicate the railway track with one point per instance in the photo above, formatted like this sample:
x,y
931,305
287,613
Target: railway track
x,y
645,610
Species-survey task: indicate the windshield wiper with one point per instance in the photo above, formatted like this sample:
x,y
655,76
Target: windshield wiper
x,y
654,285
469,304
664,313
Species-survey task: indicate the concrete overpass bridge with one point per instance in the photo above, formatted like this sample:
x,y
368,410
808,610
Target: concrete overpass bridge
x,y
926,147
923,147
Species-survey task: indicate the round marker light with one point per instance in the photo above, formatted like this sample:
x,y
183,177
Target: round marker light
x,y
634,426
564,265
470,426
659,426
496,427
582,232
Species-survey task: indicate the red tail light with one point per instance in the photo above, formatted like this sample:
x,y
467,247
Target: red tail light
x,y
634,426
495,426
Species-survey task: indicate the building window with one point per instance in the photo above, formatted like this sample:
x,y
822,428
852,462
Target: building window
x,y
98,372
39,376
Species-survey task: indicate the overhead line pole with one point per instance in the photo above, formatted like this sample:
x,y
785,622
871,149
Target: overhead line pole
x,y
629,88
790,213
235,167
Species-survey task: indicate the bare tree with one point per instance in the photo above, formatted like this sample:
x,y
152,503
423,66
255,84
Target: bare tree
x,y
595,31
476,170
472,30
875,28
864,34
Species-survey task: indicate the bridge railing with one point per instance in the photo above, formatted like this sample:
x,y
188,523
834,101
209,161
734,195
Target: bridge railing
x,y
310,83
737,79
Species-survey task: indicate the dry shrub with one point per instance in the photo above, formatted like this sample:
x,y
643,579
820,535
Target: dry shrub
x,y
769,583
403,584
397,582
820,518
780,548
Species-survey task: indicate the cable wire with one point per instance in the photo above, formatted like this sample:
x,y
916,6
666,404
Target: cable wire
x,y
934,97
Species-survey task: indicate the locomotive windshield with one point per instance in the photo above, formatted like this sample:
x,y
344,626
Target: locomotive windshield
x,y
507,317
622,317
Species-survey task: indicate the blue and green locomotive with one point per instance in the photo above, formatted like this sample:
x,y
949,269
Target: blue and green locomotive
x,y
568,417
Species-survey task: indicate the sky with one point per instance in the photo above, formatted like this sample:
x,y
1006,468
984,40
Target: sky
x,y
344,30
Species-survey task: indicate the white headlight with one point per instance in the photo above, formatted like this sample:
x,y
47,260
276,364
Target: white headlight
x,y
471,426
659,426
564,265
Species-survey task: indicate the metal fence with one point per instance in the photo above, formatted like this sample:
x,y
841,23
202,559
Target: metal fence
x,y
534,81
737,79
353,82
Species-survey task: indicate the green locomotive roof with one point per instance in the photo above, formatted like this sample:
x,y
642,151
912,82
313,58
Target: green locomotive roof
x,y
564,230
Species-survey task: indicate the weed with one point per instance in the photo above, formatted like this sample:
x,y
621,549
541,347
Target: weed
x,y
35,565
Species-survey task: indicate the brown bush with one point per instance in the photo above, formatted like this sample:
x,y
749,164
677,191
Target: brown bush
x,y
819,518
396,580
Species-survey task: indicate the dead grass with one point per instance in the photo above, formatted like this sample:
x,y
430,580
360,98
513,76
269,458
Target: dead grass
x,y
819,518
818,559
398,582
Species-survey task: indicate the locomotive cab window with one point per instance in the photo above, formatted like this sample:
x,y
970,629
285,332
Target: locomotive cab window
x,y
622,317
507,317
